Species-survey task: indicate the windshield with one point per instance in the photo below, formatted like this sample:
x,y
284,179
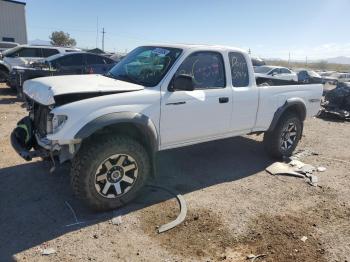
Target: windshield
x,y
145,65
262,69
313,74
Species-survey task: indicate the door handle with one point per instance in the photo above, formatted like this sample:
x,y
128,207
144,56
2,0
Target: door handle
x,y
223,100
176,103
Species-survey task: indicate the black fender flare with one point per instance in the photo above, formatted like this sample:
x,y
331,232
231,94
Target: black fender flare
x,y
142,122
295,104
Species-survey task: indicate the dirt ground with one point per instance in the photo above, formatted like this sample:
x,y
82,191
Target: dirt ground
x,y
235,208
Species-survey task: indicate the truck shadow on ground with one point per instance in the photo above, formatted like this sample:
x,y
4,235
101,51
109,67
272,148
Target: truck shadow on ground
x,y
32,202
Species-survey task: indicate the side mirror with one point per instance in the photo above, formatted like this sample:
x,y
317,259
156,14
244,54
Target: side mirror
x,y
182,83
274,73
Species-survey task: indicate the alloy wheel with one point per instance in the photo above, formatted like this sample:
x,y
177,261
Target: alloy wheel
x,y
116,175
288,137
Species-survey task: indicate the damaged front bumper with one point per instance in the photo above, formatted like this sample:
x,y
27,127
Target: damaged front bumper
x,y
26,153
28,144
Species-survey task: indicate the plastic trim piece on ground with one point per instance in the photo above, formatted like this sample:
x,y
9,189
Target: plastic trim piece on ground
x,y
183,210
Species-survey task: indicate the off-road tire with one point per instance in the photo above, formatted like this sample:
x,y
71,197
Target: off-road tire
x,y
89,158
273,139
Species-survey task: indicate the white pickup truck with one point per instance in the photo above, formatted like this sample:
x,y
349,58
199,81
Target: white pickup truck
x,y
158,97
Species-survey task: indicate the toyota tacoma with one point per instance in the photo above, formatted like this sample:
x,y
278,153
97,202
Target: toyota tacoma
x,y
110,127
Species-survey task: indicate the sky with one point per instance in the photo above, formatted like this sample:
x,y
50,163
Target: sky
x,y
316,29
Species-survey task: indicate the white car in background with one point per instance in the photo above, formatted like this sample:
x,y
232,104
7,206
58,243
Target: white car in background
x,y
24,54
329,77
343,77
7,45
275,75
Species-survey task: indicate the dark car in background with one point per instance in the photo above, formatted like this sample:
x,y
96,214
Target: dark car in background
x,y
308,77
76,63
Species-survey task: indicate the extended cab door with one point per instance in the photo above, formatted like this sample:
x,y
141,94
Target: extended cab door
x,y
193,116
245,93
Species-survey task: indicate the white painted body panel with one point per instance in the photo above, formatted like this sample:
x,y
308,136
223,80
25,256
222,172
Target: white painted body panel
x,y
43,89
201,118
145,102
273,97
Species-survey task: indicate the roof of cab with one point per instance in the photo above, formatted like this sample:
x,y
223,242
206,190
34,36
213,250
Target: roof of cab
x,y
201,46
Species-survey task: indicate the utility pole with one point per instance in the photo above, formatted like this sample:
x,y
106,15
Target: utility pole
x,y
249,51
103,39
289,59
97,33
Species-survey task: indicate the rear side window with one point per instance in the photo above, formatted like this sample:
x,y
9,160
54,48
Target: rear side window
x,y
94,60
49,52
275,71
70,60
206,68
239,69
29,52
285,71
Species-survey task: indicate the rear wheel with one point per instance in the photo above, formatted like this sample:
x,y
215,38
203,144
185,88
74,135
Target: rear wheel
x,y
269,82
110,173
282,141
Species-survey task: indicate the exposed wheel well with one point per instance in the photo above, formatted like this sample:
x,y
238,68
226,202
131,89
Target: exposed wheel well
x,y
131,130
295,107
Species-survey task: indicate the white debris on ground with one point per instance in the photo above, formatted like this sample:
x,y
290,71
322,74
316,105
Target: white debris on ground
x,y
253,257
321,169
117,220
296,168
304,238
48,251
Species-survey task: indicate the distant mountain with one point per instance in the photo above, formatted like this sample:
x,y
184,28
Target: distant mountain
x,y
344,60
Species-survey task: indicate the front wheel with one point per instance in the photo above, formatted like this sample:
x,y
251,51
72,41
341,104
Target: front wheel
x,y
282,141
110,173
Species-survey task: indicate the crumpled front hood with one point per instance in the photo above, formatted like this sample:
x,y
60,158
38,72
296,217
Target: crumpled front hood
x,y
44,89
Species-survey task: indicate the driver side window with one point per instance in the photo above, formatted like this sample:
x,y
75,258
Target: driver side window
x,y
206,68
285,71
275,71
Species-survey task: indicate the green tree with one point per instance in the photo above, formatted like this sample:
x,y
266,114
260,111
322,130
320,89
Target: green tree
x,y
60,38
